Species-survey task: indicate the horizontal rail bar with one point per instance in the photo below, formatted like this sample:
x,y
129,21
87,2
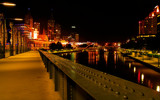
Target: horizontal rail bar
x,y
99,85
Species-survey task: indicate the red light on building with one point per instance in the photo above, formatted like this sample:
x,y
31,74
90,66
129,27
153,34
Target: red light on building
x,y
152,14
157,9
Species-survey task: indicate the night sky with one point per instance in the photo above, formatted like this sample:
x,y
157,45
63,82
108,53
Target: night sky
x,y
96,20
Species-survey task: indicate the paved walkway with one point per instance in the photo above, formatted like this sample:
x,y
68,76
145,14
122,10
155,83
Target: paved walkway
x,y
24,77
149,60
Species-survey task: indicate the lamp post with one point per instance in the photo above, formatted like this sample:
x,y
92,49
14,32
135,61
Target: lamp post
x,y
4,25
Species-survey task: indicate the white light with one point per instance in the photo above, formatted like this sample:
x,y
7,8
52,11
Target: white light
x,y
142,77
156,6
134,69
158,89
35,34
73,26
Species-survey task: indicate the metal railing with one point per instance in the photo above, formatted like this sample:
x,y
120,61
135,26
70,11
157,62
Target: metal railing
x,y
77,82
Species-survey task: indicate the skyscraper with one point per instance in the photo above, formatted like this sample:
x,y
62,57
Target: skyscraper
x,y
37,26
150,26
57,32
76,37
51,28
28,18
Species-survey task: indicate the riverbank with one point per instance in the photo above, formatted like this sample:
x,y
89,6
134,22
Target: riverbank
x,y
152,62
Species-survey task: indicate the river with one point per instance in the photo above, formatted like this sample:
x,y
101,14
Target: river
x,y
116,64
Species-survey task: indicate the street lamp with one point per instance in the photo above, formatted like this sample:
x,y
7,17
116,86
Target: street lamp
x,y
8,4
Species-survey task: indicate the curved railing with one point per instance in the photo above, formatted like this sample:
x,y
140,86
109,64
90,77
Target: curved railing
x,y
77,82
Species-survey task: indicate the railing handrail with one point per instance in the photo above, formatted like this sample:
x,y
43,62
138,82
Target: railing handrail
x,y
99,85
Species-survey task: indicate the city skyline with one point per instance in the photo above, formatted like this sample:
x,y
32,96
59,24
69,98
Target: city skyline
x,y
94,21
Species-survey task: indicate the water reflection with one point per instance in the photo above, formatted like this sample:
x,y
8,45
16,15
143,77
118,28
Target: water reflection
x,y
130,65
114,63
142,78
93,57
158,89
134,70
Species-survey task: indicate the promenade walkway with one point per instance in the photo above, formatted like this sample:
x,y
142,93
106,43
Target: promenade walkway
x,y
24,77
149,60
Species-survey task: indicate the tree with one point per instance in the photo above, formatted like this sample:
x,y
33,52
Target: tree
x,y
59,46
52,46
69,46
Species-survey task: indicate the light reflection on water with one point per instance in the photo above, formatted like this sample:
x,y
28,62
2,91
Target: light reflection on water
x,y
114,63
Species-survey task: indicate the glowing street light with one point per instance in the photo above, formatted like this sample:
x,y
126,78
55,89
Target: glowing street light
x,y
8,4
18,19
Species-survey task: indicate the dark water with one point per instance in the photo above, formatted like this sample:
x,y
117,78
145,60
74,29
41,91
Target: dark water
x,y
115,64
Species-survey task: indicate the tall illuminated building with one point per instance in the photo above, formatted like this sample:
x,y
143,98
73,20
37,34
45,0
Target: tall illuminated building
x,y
150,26
37,26
76,37
51,28
57,32
28,18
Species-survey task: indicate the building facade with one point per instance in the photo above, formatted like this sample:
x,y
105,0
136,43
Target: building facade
x,y
150,26
51,28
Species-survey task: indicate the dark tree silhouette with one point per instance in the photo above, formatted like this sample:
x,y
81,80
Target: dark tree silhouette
x,y
59,46
52,46
69,46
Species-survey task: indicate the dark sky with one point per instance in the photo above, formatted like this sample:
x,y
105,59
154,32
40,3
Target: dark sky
x,y
96,20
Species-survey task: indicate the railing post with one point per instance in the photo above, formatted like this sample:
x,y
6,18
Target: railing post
x,y
69,89
47,65
50,70
56,79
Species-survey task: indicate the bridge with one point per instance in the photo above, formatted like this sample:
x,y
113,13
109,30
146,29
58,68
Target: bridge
x,y
24,77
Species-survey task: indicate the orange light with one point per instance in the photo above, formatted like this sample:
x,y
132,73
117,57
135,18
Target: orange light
x,y
157,9
152,14
8,4
18,19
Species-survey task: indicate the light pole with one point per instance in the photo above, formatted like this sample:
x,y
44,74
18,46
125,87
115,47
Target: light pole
x,y
4,25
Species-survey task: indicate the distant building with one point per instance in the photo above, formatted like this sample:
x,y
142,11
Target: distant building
x,y
57,32
37,26
76,37
150,26
28,18
51,28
